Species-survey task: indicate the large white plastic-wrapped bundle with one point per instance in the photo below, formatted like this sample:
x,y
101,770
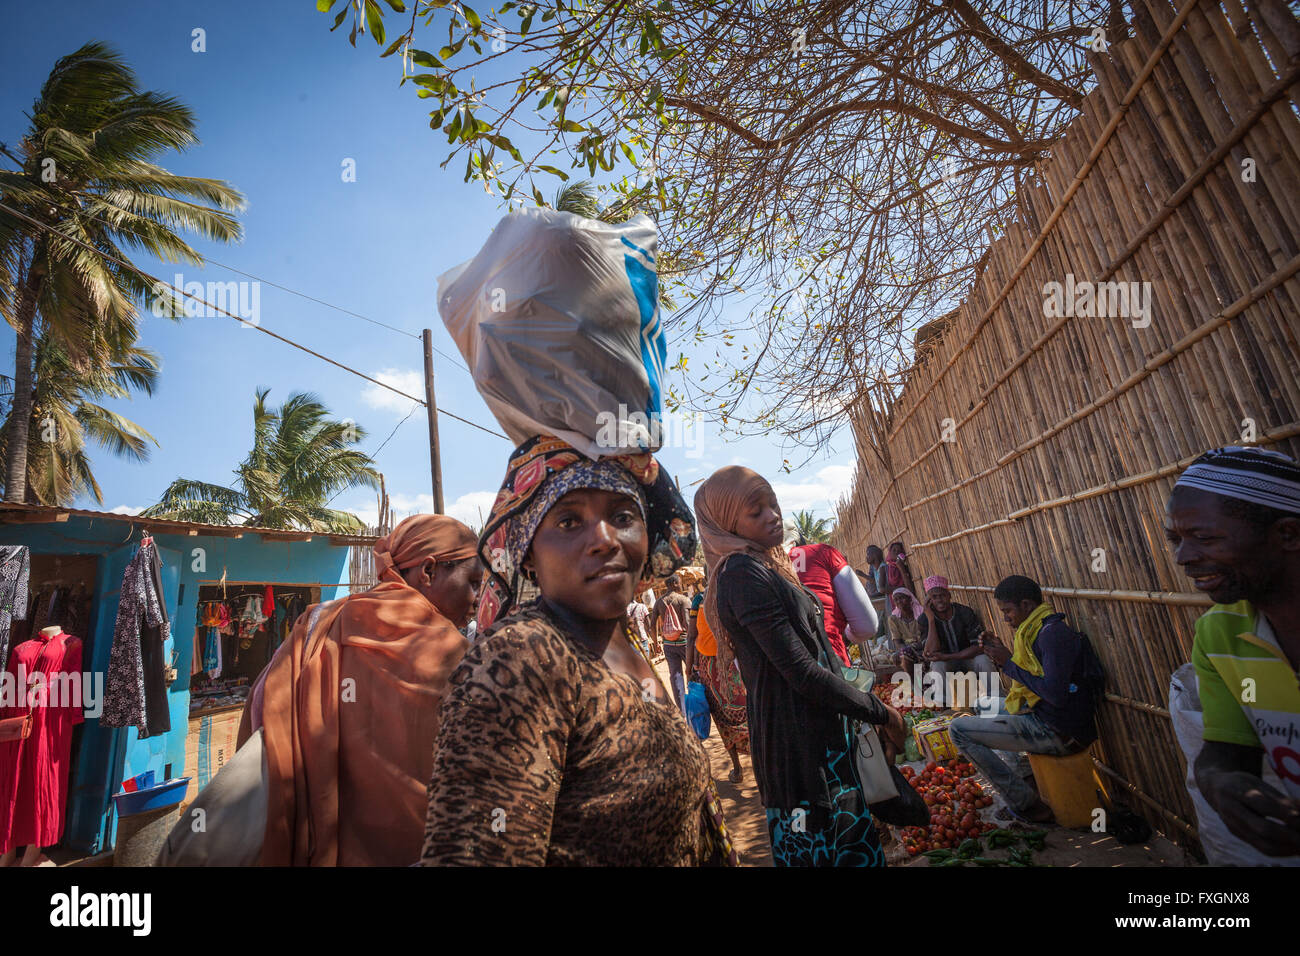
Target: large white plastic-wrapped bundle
x,y
558,320
1221,846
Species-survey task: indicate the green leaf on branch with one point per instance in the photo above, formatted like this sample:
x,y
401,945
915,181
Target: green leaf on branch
x,y
537,194
433,81
392,47
569,126
502,142
397,5
324,5
339,19
471,17
375,21
555,172
421,58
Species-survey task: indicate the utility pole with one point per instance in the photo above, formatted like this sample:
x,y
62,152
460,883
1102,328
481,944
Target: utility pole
x,y
435,453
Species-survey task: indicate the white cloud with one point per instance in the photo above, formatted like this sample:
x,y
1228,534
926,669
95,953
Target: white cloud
x,y
471,508
817,494
407,380
125,510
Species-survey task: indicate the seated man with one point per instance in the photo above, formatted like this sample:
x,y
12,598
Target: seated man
x,y
1055,682
953,646
1234,521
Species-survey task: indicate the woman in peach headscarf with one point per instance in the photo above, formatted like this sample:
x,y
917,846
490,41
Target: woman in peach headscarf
x,y
797,698
349,705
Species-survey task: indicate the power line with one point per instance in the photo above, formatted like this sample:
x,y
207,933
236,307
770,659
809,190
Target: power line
x,y
311,298
254,325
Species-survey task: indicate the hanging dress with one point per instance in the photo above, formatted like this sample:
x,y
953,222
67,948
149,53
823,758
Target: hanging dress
x,y
34,770
15,567
135,692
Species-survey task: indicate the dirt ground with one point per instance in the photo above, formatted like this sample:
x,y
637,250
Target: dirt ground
x,y
1068,847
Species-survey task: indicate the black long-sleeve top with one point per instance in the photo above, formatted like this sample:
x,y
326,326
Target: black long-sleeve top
x,y
1068,696
797,701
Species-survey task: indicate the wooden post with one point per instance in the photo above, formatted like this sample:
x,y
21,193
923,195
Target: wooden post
x,y
435,454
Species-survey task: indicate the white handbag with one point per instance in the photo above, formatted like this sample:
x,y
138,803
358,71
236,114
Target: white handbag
x,y
873,769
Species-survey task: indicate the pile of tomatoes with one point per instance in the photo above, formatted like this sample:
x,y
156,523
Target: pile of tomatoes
x,y
954,801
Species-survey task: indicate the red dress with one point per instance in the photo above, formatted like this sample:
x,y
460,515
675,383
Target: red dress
x,y
817,564
34,771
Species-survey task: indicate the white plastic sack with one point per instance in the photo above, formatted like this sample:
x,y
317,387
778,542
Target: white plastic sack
x,y
234,806
1221,847
557,318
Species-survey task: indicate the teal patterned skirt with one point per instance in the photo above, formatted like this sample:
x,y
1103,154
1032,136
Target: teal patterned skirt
x,y
843,835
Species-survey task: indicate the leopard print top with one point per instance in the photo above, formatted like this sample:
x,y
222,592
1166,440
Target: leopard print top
x,y
547,756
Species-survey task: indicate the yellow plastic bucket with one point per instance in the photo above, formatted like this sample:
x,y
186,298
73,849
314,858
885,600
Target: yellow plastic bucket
x,y
1069,786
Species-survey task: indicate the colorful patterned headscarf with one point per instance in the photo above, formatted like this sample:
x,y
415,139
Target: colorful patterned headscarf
x,y
542,471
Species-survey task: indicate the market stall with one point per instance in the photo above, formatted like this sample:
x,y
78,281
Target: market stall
x,y
238,626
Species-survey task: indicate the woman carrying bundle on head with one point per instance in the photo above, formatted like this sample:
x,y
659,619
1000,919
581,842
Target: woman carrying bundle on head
x,y
800,741
558,744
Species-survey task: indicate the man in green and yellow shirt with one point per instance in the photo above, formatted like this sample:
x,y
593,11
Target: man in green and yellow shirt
x,y
1233,520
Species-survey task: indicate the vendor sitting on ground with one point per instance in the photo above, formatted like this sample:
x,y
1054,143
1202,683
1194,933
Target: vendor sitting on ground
x,y
908,627
1234,522
953,645
1055,682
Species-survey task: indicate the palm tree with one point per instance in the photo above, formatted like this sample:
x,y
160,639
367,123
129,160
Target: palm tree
x,y
86,176
812,529
300,460
65,413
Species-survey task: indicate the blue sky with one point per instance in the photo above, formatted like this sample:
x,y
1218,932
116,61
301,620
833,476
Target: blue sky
x,y
281,104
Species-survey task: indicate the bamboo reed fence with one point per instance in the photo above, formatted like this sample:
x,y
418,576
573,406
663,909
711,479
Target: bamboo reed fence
x,y
1047,446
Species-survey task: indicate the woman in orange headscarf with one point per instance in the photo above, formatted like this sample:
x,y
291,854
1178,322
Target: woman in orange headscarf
x,y
349,705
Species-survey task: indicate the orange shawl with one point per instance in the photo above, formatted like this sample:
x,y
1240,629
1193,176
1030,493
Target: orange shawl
x,y
349,720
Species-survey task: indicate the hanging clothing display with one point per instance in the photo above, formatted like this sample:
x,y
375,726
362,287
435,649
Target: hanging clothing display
x,y
15,567
34,770
212,654
136,687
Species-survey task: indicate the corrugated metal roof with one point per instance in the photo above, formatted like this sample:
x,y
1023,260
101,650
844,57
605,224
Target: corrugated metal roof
x,y
40,514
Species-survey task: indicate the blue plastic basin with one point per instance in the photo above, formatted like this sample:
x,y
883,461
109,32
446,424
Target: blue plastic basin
x,y
154,798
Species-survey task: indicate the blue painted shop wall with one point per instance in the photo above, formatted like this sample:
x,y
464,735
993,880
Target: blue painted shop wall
x,y
198,559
